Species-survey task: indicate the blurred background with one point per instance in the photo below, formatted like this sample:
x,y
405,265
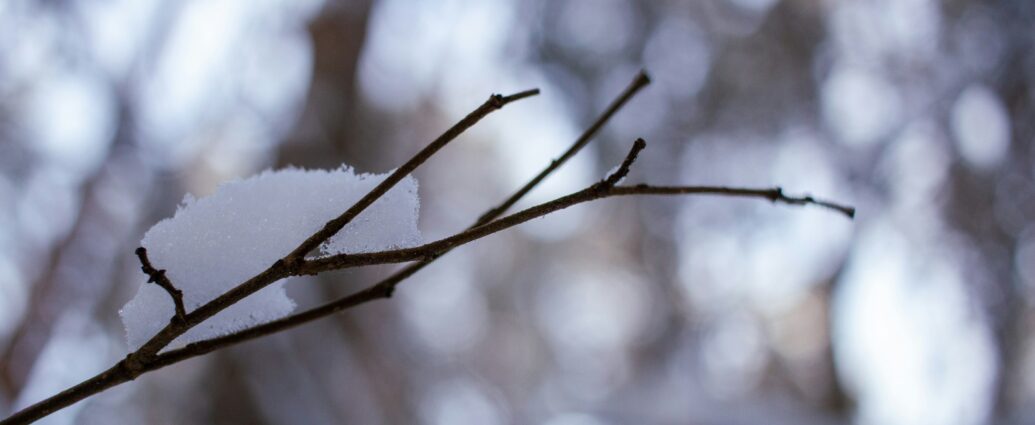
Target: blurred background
x,y
645,310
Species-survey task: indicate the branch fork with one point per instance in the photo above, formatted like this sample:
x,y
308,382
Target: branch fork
x,y
149,358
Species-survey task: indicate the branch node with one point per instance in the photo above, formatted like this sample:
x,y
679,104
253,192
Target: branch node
x,y
158,277
132,366
496,100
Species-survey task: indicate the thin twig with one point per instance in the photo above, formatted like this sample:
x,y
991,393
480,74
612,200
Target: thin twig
x,y
623,170
291,263
158,277
143,359
332,227
639,82
377,291
775,195
597,191
147,359
386,287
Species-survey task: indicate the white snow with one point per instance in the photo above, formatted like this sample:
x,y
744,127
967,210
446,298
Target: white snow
x,y
213,244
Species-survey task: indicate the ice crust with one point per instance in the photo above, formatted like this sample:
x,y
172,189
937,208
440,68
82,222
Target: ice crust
x,y
214,243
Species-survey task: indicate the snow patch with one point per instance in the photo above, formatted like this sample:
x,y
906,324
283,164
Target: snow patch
x,y
214,243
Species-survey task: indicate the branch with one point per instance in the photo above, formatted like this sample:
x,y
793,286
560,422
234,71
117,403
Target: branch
x,y
143,359
158,277
639,82
495,102
147,359
386,287
291,263
382,289
774,195
623,170
603,189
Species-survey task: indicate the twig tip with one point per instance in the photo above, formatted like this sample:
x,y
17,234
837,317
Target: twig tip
x,y
503,100
643,78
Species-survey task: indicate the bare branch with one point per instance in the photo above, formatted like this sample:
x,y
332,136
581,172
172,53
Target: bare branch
x,y
147,358
639,82
143,359
623,169
378,291
158,277
386,287
775,195
291,263
495,102
597,191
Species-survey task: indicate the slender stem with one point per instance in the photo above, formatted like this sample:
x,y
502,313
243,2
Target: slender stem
x,y
109,378
146,358
386,287
143,359
122,372
290,264
639,82
380,290
332,227
158,277
597,191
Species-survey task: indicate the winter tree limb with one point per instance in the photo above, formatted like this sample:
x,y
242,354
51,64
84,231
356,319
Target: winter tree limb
x,y
147,358
384,288
141,360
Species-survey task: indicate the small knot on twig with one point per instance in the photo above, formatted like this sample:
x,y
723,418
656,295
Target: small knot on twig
x,y
496,100
777,195
158,277
132,366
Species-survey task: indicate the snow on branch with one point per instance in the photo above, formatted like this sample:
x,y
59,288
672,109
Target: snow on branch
x,y
227,251
214,243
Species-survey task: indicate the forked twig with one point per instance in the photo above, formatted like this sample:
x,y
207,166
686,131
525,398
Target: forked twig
x,y
386,287
148,358
292,262
602,189
143,359
158,277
